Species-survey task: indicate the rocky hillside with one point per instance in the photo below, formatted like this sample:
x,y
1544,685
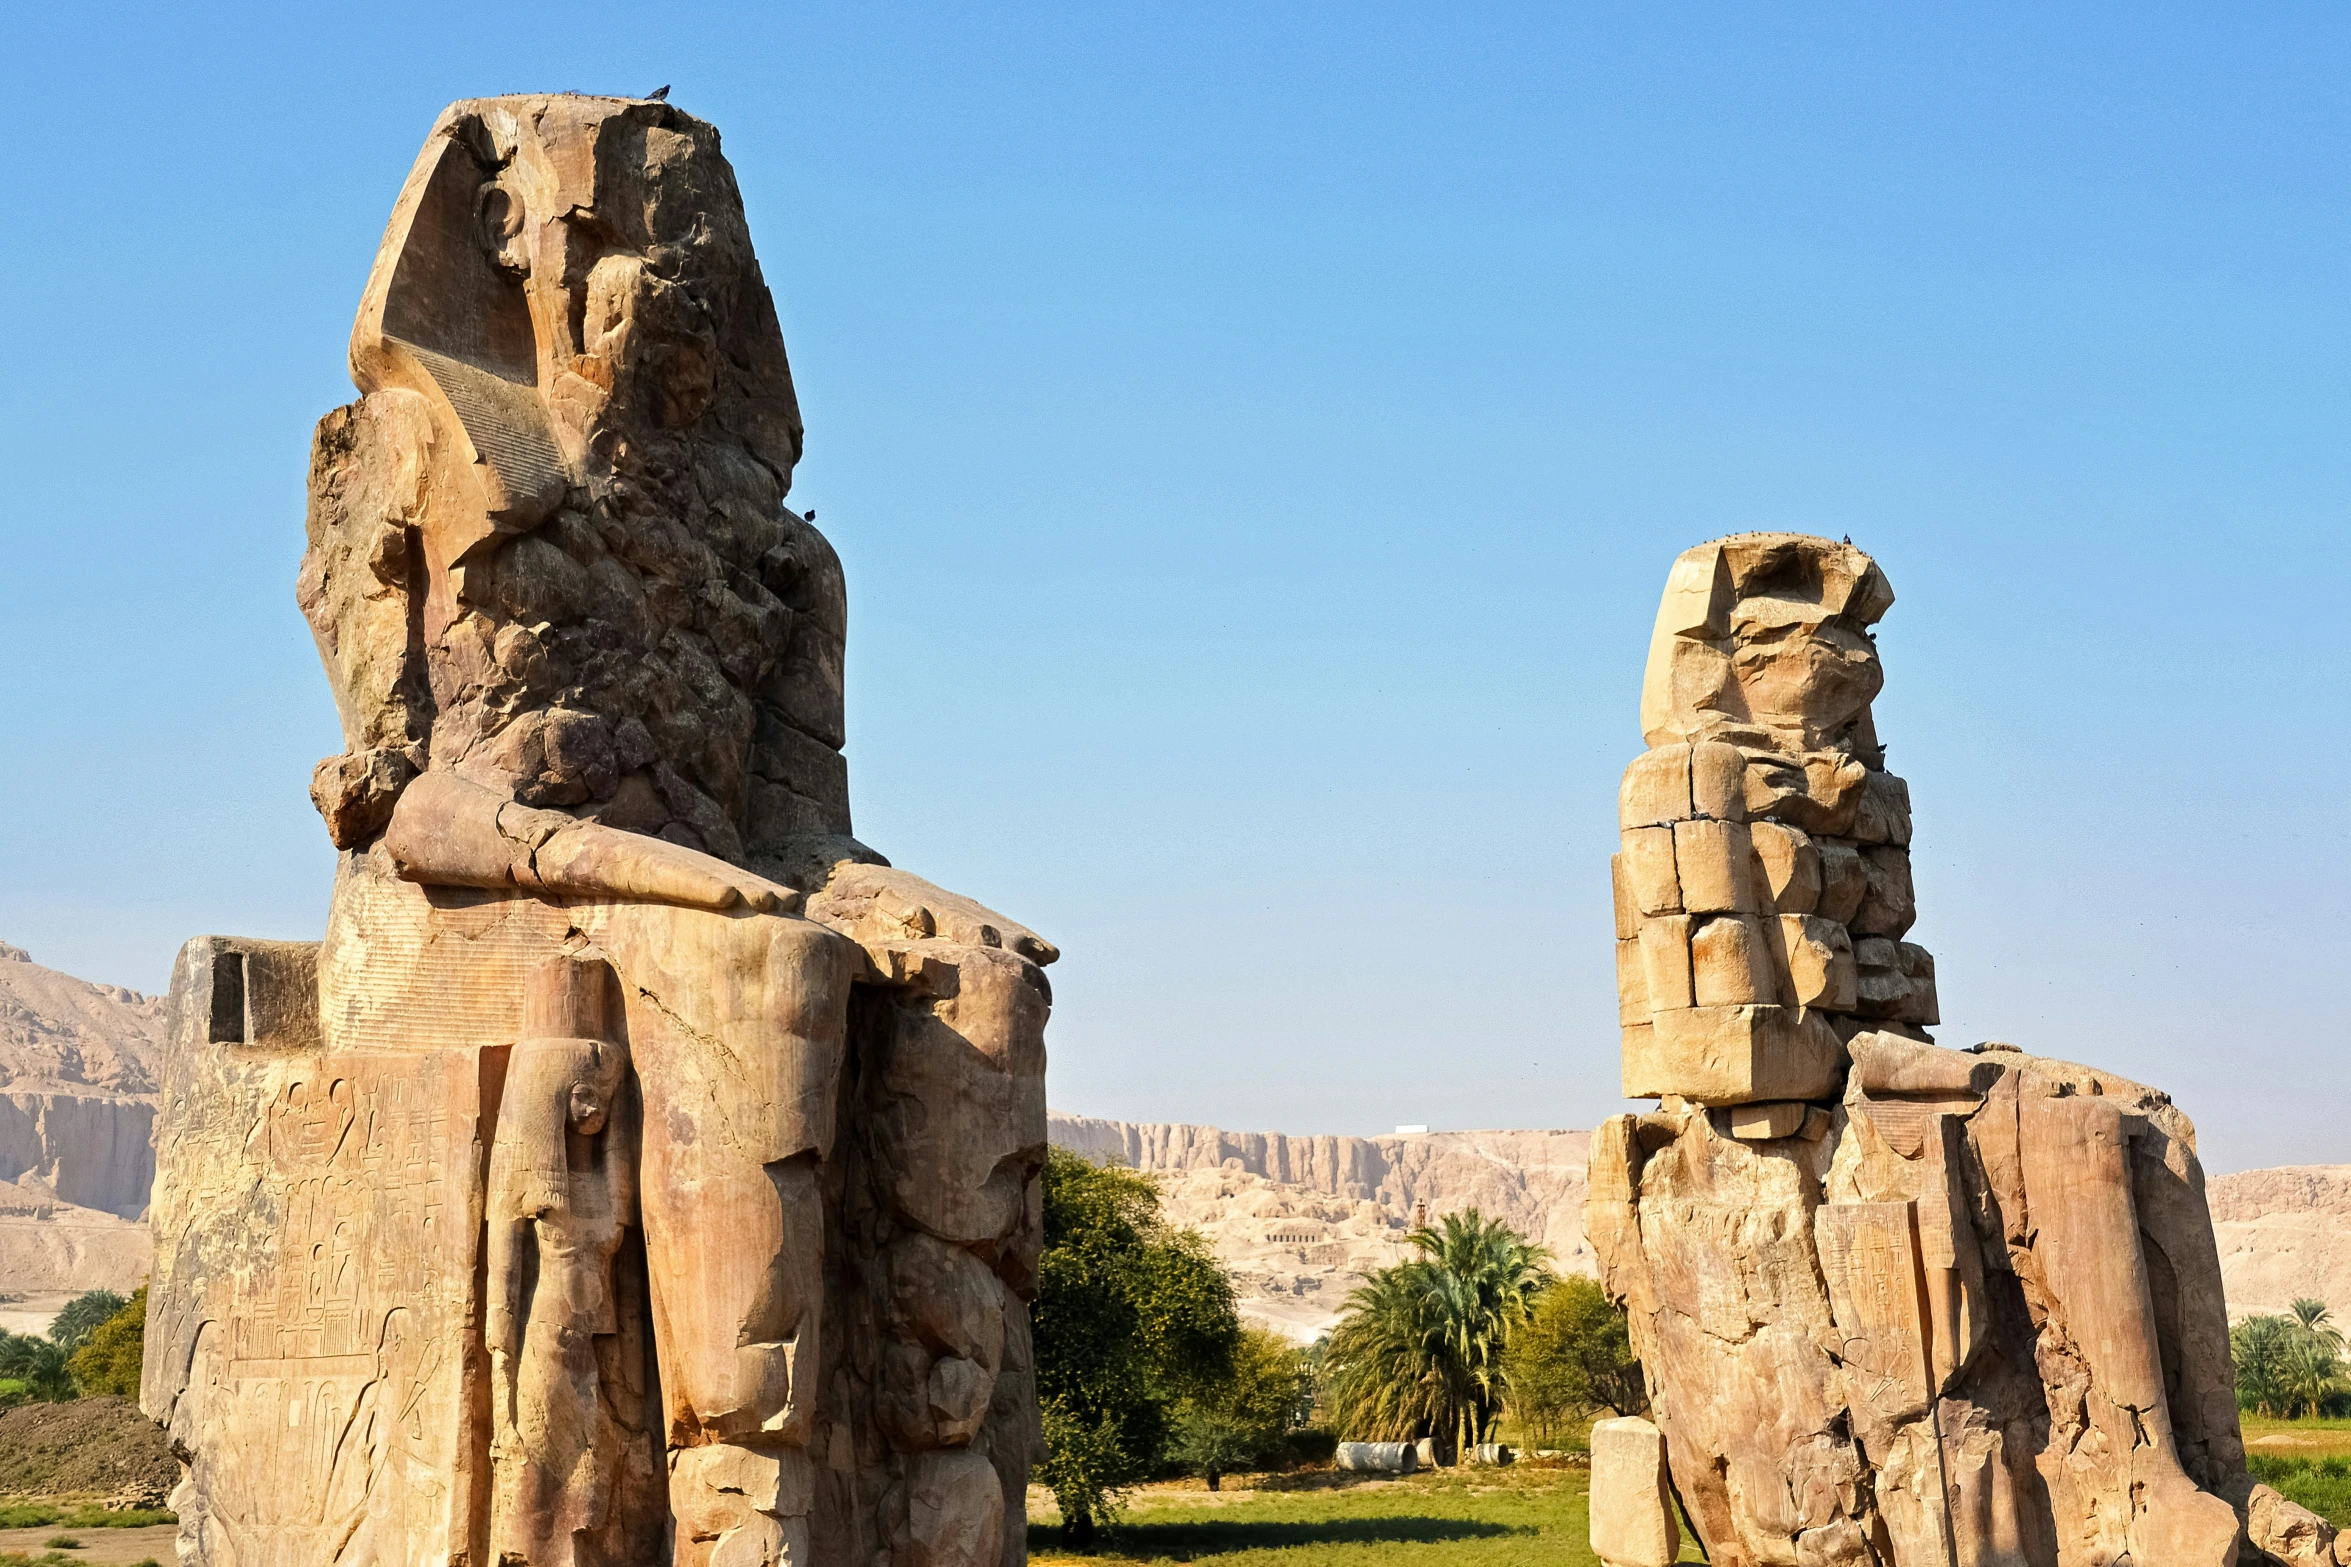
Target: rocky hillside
x,y
1300,1220
77,1119
2284,1234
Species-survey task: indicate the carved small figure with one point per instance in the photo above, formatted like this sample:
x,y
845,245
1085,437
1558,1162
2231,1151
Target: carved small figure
x,y
566,1373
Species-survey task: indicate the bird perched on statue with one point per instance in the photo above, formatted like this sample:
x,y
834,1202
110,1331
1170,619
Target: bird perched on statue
x,y
660,94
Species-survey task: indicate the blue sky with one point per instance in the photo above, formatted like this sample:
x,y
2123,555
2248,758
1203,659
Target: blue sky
x,y
1256,437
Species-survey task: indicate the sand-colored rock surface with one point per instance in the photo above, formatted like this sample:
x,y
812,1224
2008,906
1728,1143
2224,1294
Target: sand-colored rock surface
x,y
77,1112
1300,1220
1959,1309
640,1168
59,1034
2284,1234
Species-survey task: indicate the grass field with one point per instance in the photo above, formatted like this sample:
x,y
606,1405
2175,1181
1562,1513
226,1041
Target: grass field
x,y
1522,1516
2308,1460
1528,1515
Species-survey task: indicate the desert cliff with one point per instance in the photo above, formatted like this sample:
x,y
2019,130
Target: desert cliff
x,y
1300,1220
77,1116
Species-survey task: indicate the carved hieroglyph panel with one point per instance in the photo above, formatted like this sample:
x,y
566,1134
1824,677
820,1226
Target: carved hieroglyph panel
x,y
328,1362
1869,1255
410,968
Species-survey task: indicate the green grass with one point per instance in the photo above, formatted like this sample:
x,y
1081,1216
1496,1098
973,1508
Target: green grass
x,y
63,1542
2321,1484
78,1515
1522,1516
2309,1461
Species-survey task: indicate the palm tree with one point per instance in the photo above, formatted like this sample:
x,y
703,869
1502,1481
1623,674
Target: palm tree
x,y
1388,1382
2311,1373
2287,1365
1487,1279
2314,1319
2261,1347
1419,1348
38,1363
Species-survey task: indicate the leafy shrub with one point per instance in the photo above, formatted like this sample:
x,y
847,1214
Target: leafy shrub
x,y
1238,1421
113,1351
71,1328
1573,1359
1132,1317
80,1515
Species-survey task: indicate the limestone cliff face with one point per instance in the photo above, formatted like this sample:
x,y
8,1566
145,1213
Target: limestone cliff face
x,y
1301,1220
2284,1234
67,1035
77,1118
82,1149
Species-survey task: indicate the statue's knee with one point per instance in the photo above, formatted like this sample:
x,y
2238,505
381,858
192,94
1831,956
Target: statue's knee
x,y
740,1506
954,1512
809,968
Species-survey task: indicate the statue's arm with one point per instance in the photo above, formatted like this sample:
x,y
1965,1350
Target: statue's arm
x,y
447,831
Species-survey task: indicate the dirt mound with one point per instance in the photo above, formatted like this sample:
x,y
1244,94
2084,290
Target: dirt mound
x,y
92,1448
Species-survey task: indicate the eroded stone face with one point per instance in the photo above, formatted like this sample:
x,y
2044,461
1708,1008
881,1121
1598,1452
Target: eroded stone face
x,y
640,1170
1897,1303
548,547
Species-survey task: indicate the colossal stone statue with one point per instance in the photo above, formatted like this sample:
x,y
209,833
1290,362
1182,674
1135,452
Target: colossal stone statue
x,y
1896,1303
641,1169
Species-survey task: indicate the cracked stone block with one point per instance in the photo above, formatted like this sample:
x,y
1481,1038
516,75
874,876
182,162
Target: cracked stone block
x,y
1895,1304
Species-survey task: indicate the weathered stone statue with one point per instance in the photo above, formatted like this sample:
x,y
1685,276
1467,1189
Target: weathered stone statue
x,y
1896,1303
641,1170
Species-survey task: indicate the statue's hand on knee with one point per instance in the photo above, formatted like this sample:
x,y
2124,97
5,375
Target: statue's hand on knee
x,y
880,905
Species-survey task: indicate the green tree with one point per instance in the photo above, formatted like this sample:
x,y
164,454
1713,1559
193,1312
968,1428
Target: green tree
x,y
37,1363
2311,1373
2314,1319
1572,1358
71,1328
1388,1381
2286,1365
2257,1348
1240,1422
1131,1318
110,1361
1419,1350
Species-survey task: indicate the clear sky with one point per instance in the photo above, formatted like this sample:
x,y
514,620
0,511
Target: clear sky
x,y
1257,436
